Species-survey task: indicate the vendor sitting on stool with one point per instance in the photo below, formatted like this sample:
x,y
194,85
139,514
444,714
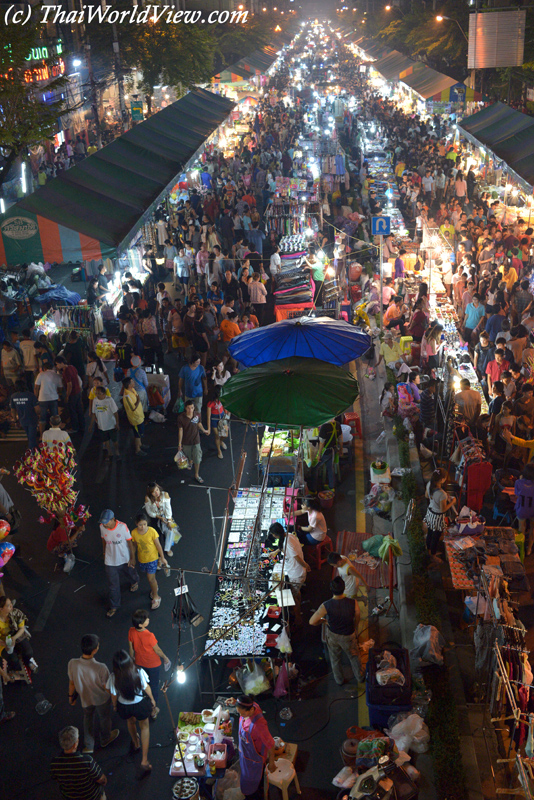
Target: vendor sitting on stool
x,y
315,531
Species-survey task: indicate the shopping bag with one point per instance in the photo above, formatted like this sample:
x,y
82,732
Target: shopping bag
x,y
182,462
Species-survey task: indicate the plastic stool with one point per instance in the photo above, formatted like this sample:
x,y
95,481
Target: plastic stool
x,y
406,343
284,773
353,419
320,551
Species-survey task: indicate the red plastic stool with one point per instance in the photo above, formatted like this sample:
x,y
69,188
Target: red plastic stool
x,y
353,419
320,551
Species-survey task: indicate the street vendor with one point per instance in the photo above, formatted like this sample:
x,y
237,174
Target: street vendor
x,y
256,747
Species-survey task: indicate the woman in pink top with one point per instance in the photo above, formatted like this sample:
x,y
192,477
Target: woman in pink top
x,y
258,295
460,188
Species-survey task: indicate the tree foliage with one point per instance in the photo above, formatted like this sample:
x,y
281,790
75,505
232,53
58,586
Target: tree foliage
x,y
25,120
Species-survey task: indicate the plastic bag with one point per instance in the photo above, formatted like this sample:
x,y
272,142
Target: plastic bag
x,y
283,643
410,733
182,462
282,682
345,779
252,681
155,416
372,545
222,428
389,676
386,659
427,645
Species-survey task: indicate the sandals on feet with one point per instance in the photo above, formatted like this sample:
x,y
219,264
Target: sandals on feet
x,y
155,604
134,587
111,612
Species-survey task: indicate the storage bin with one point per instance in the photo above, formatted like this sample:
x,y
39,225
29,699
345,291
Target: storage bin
x,y
379,715
392,694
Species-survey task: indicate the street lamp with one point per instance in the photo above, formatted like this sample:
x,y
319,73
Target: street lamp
x,y
441,17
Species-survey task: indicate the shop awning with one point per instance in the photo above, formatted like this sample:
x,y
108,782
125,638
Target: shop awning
x,y
391,65
260,60
373,49
495,124
108,195
235,74
425,80
26,237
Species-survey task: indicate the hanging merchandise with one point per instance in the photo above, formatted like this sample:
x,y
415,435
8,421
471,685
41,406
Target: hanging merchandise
x,y
48,473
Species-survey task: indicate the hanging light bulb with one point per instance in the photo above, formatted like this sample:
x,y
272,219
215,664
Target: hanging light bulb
x,y
180,673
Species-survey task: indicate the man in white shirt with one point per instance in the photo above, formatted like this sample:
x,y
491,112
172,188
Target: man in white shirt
x,y
47,382
105,413
428,187
55,433
29,358
469,402
119,557
275,262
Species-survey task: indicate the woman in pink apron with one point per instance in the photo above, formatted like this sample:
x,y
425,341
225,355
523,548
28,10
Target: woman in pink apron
x,y
256,746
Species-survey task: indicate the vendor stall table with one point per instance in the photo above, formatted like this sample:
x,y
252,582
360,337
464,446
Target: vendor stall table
x,y
460,578
290,311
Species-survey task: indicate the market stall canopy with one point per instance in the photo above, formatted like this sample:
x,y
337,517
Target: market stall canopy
x,y
27,237
330,340
425,80
109,194
372,49
508,134
260,60
391,65
291,392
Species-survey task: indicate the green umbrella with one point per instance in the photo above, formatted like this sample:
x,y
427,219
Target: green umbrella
x,y
290,392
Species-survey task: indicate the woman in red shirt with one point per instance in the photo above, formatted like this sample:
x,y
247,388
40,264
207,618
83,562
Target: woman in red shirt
x,y
146,652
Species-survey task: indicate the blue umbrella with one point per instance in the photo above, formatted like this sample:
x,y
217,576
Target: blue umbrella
x,y
325,339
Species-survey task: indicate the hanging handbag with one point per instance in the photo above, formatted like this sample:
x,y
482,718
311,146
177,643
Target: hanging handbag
x,y
222,428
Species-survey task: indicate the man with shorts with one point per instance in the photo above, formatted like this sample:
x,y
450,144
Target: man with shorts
x,y
119,557
105,413
189,427
47,382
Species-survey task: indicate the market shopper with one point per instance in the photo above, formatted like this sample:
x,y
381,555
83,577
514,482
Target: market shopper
x,y
119,557
439,503
87,681
78,775
134,702
346,569
146,652
158,508
24,407
149,554
135,414
73,394
341,615
256,747
48,383
189,428
105,414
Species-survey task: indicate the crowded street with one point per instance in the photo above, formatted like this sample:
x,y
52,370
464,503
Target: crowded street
x,y
266,439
